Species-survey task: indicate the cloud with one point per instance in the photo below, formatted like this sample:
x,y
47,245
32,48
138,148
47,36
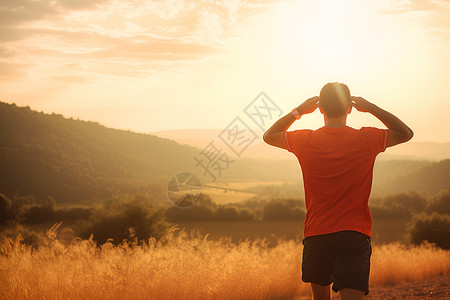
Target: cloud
x,y
13,12
129,34
76,79
405,6
12,70
432,14
209,28
81,4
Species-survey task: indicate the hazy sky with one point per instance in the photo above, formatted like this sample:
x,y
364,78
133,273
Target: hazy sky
x,y
159,65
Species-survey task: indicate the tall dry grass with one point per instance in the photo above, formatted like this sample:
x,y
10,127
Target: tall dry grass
x,y
396,263
183,266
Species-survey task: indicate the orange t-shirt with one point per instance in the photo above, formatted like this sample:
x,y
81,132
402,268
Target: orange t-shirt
x,y
337,166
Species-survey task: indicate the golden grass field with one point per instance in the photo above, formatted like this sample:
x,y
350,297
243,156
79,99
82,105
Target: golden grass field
x,y
187,266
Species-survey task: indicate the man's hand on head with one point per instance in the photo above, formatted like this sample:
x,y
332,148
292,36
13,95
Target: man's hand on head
x,y
361,104
308,106
275,134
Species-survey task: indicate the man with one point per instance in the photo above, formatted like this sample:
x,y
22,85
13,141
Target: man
x,y
337,165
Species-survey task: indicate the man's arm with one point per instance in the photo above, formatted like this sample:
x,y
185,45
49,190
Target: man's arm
x,y
399,131
275,134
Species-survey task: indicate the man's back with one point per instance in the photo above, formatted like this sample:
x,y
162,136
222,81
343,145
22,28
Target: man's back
x,y
337,166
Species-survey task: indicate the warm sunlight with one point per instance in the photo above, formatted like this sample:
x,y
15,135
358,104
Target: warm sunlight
x,y
336,37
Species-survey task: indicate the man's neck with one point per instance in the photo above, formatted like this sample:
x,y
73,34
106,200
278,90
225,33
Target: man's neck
x,y
336,122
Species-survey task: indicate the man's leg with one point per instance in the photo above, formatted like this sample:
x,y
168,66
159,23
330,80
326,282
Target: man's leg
x,y
352,265
320,292
317,264
351,294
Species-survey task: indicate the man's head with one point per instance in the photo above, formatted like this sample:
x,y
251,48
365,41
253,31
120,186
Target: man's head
x,y
334,100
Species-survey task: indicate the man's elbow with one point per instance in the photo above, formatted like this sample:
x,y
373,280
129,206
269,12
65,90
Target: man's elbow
x,y
409,135
269,139
266,138
400,137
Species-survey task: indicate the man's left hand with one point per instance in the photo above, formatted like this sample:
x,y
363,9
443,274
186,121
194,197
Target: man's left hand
x,y
308,106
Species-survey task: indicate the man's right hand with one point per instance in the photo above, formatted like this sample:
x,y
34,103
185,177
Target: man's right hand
x,y
361,104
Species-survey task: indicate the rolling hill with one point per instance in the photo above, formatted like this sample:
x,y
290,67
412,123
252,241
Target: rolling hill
x,y
75,161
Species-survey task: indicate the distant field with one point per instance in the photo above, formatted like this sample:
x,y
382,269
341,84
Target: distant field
x,y
224,197
225,193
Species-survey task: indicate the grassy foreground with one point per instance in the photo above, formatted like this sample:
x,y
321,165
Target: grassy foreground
x,y
186,266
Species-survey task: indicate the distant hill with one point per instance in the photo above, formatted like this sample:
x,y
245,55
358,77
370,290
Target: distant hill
x,y
418,151
47,155
430,179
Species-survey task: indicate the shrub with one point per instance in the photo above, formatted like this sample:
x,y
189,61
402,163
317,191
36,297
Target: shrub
x,y
230,213
411,202
5,210
286,209
44,212
125,218
246,214
381,212
202,210
205,209
24,235
19,206
434,228
401,205
226,213
73,214
440,203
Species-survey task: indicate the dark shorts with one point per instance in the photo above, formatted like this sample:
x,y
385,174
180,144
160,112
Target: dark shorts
x,y
341,258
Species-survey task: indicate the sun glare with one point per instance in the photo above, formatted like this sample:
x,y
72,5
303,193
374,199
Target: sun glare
x,y
333,36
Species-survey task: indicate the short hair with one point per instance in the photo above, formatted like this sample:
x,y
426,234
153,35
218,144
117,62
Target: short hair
x,y
334,99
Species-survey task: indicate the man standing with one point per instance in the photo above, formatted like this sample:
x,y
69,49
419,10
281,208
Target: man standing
x,y
337,165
